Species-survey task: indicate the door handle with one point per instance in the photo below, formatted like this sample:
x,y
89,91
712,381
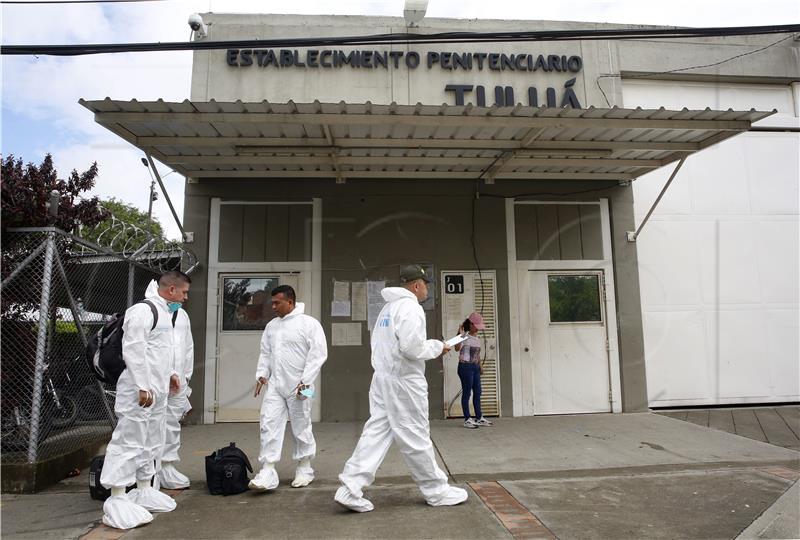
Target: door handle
x,y
527,349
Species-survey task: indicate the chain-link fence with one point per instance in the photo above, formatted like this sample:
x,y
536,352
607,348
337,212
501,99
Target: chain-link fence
x,y
57,290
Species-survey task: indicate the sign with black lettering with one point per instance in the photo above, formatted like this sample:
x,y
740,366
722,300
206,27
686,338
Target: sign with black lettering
x,y
370,59
454,284
448,61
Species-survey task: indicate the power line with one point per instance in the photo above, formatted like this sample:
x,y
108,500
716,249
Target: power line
x,y
35,2
388,39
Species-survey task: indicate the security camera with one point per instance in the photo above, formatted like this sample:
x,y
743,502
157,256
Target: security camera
x,y
197,25
414,12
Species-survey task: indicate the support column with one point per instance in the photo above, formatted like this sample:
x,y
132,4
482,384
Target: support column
x,y
131,272
41,348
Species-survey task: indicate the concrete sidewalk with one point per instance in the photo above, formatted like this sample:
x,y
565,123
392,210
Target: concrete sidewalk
x,y
588,476
775,424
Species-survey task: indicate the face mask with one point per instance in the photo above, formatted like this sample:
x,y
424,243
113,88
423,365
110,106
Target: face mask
x,y
174,306
304,393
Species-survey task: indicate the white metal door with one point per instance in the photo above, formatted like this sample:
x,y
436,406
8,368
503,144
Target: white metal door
x,y
570,347
244,310
463,293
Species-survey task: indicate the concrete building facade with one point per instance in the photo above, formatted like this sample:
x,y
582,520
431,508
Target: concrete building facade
x,y
489,164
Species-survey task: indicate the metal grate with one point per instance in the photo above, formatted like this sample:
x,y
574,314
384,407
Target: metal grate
x,y
485,292
484,304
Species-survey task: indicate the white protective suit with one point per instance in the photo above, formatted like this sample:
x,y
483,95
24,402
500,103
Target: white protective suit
x,y
293,349
137,441
398,405
178,404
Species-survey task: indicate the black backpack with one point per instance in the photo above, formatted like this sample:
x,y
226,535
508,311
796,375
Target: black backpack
x,y
96,489
226,471
104,349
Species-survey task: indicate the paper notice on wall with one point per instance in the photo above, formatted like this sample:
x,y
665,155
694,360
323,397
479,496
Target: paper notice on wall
x,y
359,301
346,334
374,302
340,307
455,312
454,308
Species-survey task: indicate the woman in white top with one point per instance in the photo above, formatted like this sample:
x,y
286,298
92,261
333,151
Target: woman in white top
x,y
470,370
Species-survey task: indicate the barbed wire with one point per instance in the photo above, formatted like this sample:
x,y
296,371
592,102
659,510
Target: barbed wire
x,y
133,242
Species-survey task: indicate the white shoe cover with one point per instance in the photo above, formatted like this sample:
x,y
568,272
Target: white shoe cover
x,y
451,497
351,502
151,499
302,480
120,513
265,480
171,478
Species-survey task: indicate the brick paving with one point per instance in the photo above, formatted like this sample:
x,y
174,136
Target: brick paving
x,y
519,521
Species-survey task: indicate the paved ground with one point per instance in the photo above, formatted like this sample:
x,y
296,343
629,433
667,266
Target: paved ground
x,y
589,476
776,425
781,521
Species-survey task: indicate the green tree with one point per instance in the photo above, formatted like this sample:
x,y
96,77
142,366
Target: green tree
x,y
26,195
117,229
574,298
26,199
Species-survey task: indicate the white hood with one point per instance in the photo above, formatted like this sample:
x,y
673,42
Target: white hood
x,y
299,309
390,294
152,290
152,294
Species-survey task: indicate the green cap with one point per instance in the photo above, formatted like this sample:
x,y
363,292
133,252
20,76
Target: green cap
x,y
412,272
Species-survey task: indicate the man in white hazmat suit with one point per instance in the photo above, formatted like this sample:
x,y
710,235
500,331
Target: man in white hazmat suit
x,y
141,401
178,405
398,400
293,349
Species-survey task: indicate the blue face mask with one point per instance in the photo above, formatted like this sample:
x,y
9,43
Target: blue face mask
x,y
174,306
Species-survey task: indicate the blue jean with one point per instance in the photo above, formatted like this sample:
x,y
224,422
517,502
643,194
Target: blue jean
x,y
470,375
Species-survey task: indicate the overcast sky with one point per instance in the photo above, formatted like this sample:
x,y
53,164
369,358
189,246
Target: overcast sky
x,y
40,110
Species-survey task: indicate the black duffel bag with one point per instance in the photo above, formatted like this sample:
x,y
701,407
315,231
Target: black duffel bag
x,y
96,489
226,471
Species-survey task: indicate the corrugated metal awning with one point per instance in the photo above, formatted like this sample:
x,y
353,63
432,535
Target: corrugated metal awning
x,y
346,140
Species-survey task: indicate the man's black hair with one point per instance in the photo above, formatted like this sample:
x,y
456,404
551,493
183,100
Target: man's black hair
x,y
172,278
466,325
286,291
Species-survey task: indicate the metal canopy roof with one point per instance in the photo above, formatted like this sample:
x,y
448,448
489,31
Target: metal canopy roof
x,y
346,140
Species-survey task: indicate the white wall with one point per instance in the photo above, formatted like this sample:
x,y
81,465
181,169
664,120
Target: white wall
x,y
718,260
